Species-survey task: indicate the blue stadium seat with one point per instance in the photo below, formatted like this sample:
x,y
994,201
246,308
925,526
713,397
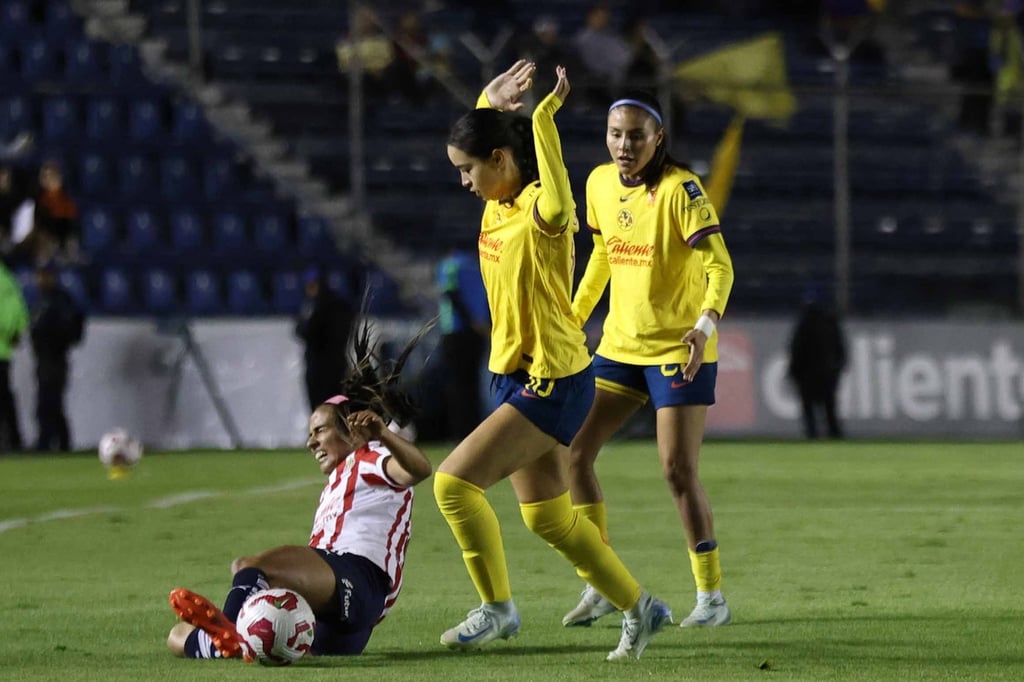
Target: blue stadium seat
x,y
125,69
343,283
61,22
94,175
178,178
75,285
143,233
159,292
229,232
245,296
315,238
14,18
38,60
136,177
116,291
187,122
218,177
145,120
187,233
99,232
202,293
82,63
60,118
15,116
287,292
270,233
103,118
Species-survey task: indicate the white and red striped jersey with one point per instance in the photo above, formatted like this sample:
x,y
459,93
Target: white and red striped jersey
x,y
364,512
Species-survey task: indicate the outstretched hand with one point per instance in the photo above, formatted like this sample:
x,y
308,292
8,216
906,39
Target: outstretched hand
x,y
562,86
366,425
505,90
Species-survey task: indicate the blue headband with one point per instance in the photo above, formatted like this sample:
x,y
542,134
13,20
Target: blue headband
x,y
637,103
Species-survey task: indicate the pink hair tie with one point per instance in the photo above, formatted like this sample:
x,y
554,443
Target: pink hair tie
x,y
336,400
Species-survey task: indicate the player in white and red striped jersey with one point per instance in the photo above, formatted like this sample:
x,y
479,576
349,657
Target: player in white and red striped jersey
x,y
351,570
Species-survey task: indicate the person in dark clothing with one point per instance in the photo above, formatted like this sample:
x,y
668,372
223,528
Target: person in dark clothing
x,y
465,327
324,325
58,323
817,355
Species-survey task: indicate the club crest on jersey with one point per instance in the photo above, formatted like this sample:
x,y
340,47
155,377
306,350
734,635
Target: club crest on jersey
x,y
692,189
624,220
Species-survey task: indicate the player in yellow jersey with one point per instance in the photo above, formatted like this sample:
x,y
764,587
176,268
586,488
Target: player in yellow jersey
x,y
540,364
658,241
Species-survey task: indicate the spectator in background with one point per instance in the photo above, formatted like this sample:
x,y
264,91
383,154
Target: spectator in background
x,y
324,325
56,215
644,68
817,356
410,48
465,326
57,325
546,47
13,323
374,51
971,66
603,51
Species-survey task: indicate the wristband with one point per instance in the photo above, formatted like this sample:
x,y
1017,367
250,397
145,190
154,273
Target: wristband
x,y
706,325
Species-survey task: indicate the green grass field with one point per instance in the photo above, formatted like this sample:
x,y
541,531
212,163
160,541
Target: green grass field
x,y
868,561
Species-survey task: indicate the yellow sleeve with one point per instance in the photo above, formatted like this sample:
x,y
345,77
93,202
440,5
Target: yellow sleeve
x,y
592,286
555,204
482,102
718,266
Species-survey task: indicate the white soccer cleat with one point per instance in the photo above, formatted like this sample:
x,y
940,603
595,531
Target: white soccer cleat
x,y
708,614
637,632
591,607
481,626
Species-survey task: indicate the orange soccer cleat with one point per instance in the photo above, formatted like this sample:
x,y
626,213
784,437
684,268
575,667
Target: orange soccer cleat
x,y
199,611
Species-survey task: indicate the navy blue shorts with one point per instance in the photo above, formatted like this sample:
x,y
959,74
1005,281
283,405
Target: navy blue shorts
x,y
362,587
555,406
663,383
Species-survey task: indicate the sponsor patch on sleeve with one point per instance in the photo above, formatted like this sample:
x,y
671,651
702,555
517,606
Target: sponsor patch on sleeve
x,y
692,189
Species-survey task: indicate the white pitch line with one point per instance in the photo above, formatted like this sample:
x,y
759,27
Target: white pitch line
x,y
159,503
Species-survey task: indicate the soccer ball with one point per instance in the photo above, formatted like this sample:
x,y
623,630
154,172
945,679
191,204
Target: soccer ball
x,y
275,626
119,450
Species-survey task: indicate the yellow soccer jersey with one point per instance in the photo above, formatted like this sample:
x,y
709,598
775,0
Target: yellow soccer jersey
x,y
667,261
527,272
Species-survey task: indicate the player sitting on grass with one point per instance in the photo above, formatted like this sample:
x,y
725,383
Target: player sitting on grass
x,y
351,570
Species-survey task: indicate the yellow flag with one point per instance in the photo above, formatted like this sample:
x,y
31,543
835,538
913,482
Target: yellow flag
x,y
749,76
724,164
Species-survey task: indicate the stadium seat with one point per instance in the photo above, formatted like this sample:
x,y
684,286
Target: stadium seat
x,y
82,63
315,239
60,119
344,283
99,232
218,177
14,18
145,120
38,60
187,234
61,21
124,65
159,292
75,285
245,296
116,291
270,233
202,293
229,232
94,175
178,178
287,292
136,177
15,116
143,233
187,122
103,119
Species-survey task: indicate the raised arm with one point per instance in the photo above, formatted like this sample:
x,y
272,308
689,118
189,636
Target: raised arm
x,y
407,465
555,204
505,90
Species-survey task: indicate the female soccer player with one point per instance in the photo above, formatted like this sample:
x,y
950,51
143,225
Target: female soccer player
x,y
351,571
540,364
657,237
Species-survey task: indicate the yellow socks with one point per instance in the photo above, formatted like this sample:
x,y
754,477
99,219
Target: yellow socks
x,y
581,543
478,533
707,572
597,514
